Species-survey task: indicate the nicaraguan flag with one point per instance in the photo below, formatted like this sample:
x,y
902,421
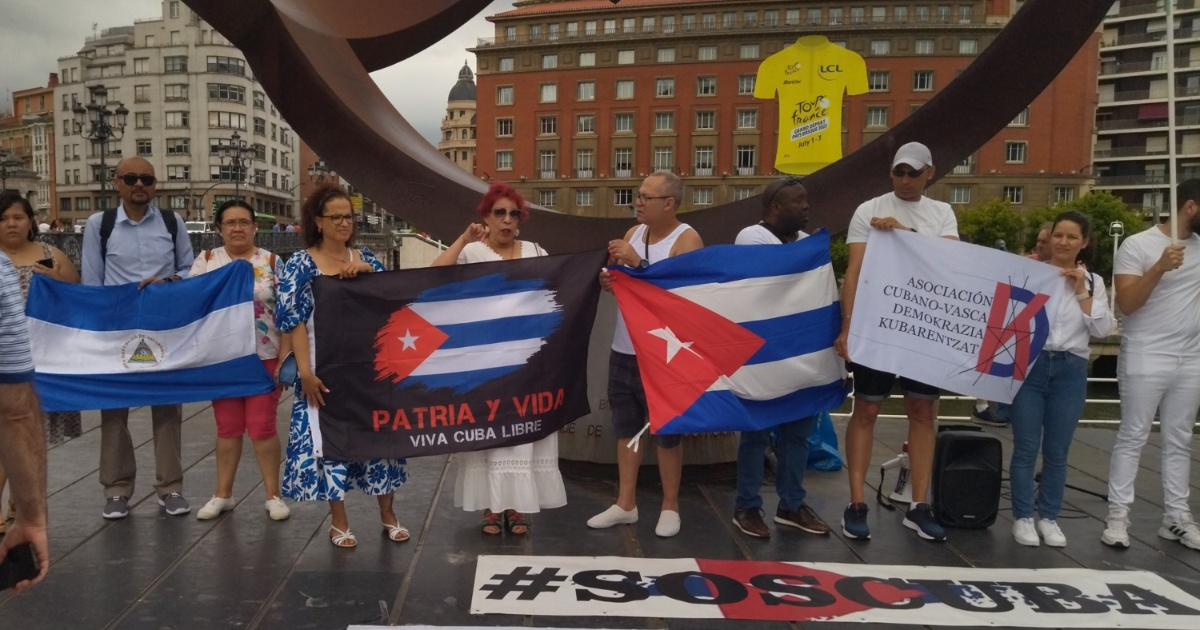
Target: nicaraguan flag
x,y
111,347
735,337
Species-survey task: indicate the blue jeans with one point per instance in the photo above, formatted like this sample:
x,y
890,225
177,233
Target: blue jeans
x,y
791,451
1044,416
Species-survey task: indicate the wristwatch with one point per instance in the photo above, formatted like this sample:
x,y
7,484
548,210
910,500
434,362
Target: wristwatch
x,y
643,264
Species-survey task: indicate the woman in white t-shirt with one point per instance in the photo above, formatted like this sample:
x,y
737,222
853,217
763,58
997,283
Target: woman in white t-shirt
x,y
1048,405
510,481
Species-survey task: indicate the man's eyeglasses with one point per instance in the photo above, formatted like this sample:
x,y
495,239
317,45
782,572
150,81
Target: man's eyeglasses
x,y
788,181
237,223
644,198
500,213
131,179
902,172
339,218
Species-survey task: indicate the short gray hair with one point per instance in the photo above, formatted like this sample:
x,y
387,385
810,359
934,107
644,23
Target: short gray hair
x,y
674,186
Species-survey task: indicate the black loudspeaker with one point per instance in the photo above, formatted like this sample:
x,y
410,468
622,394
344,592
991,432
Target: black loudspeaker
x,y
967,466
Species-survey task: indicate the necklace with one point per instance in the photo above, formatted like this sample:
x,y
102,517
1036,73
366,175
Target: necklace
x,y
512,250
332,257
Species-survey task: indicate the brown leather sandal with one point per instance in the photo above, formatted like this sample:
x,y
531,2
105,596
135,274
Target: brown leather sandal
x,y
515,522
492,525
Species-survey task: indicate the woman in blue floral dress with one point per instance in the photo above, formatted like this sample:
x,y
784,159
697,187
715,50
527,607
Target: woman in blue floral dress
x,y
327,229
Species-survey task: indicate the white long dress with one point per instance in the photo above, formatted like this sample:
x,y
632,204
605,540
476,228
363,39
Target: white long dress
x,y
523,478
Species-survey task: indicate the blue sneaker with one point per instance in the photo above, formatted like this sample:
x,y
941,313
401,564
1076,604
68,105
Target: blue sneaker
x,y
854,522
920,519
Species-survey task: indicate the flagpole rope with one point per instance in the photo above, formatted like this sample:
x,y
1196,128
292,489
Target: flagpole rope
x,y
634,441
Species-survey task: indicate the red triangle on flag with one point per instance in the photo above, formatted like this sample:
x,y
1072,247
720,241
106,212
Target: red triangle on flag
x,y
682,347
404,342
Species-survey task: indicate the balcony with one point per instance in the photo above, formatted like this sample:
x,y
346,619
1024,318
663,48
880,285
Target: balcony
x,y
1154,179
745,170
584,172
1122,152
1128,67
546,174
703,171
623,172
1129,95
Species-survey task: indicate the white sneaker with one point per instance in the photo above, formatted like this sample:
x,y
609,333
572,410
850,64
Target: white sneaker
x,y
1024,532
668,524
614,515
1181,528
278,509
1053,534
1116,530
214,507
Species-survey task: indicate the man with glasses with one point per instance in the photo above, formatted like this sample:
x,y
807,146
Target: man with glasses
x,y
134,244
905,208
785,213
658,235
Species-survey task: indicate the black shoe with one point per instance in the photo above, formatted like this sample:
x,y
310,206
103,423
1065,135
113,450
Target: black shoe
x,y
854,522
921,520
750,522
988,417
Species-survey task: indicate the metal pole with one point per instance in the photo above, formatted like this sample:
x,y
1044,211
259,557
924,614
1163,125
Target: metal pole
x,y
1171,120
1112,296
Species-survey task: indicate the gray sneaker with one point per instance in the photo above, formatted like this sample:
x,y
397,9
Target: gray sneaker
x,y
116,507
174,504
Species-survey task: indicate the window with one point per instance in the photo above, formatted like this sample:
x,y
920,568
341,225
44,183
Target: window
x,y
585,123
706,86
747,119
1014,194
814,17
589,27
709,20
548,93
624,57
504,160
226,120
750,18
141,120
922,13
877,116
610,27
688,22
922,80
664,87
666,55
227,65
1064,193
175,92
625,88
623,197
173,8
553,31
706,53
145,147
1015,152
664,158
548,125
623,122
179,146
175,65
878,80
879,15
1022,119
881,46
968,46
836,16
85,203
664,121
647,25
504,95
746,83
923,47
179,172
175,119
745,159
585,197
549,62
960,194
964,13
729,19
623,162
535,32
743,192
222,92
506,64
260,126
504,126
585,91
141,66
748,51
858,15
572,29
706,121
548,198
587,59
703,161
629,25
702,196
668,24
900,14
585,162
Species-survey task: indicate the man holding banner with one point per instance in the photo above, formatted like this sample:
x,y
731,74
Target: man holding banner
x,y
906,208
1159,367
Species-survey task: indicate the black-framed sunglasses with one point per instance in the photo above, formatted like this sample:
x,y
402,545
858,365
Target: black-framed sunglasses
x,y
514,214
911,174
131,179
790,180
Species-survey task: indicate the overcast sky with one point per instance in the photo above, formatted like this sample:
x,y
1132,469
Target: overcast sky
x,y
35,33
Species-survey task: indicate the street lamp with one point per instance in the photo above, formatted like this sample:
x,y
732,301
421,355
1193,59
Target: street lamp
x,y
1115,229
8,166
97,122
232,153
319,170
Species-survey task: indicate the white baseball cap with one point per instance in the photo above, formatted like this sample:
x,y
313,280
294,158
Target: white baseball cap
x,y
913,154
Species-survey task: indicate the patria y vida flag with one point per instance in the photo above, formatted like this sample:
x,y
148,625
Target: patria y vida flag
x,y
111,347
735,337
458,358
963,317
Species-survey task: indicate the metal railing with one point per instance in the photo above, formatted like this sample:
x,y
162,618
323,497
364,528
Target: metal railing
x,y
1131,180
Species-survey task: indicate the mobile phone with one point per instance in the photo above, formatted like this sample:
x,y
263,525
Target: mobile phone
x,y
19,565
46,262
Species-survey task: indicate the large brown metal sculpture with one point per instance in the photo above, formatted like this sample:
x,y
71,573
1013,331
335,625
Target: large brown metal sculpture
x,y
313,57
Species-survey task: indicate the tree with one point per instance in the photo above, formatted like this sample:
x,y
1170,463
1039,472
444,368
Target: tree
x,y
1102,209
990,222
839,256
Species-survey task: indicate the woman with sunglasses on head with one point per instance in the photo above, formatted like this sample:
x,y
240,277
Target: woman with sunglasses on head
x,y
327,230
508,482
18,240
249,414
1048,405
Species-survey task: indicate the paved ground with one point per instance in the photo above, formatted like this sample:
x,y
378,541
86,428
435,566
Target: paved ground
x,y
244,571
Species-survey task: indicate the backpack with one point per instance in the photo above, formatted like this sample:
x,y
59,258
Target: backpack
x,y
109,220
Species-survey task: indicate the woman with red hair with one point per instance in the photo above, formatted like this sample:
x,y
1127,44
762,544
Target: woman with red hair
x,y
513,480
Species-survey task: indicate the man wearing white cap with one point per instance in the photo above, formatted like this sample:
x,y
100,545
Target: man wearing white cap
x,y
905,208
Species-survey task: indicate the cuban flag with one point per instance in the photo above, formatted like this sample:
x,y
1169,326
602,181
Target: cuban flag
x,y
457,358
112,347
735,337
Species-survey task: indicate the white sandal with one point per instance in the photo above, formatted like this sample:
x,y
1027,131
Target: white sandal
x,y
343,539
397,532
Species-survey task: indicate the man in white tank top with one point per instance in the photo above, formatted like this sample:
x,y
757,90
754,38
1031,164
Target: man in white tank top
x,y
658,235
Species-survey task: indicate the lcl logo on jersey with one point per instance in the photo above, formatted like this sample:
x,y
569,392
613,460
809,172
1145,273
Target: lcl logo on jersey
x,y
829,71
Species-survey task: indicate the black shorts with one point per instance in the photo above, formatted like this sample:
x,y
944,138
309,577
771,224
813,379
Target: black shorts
x,y
873,386
627,399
